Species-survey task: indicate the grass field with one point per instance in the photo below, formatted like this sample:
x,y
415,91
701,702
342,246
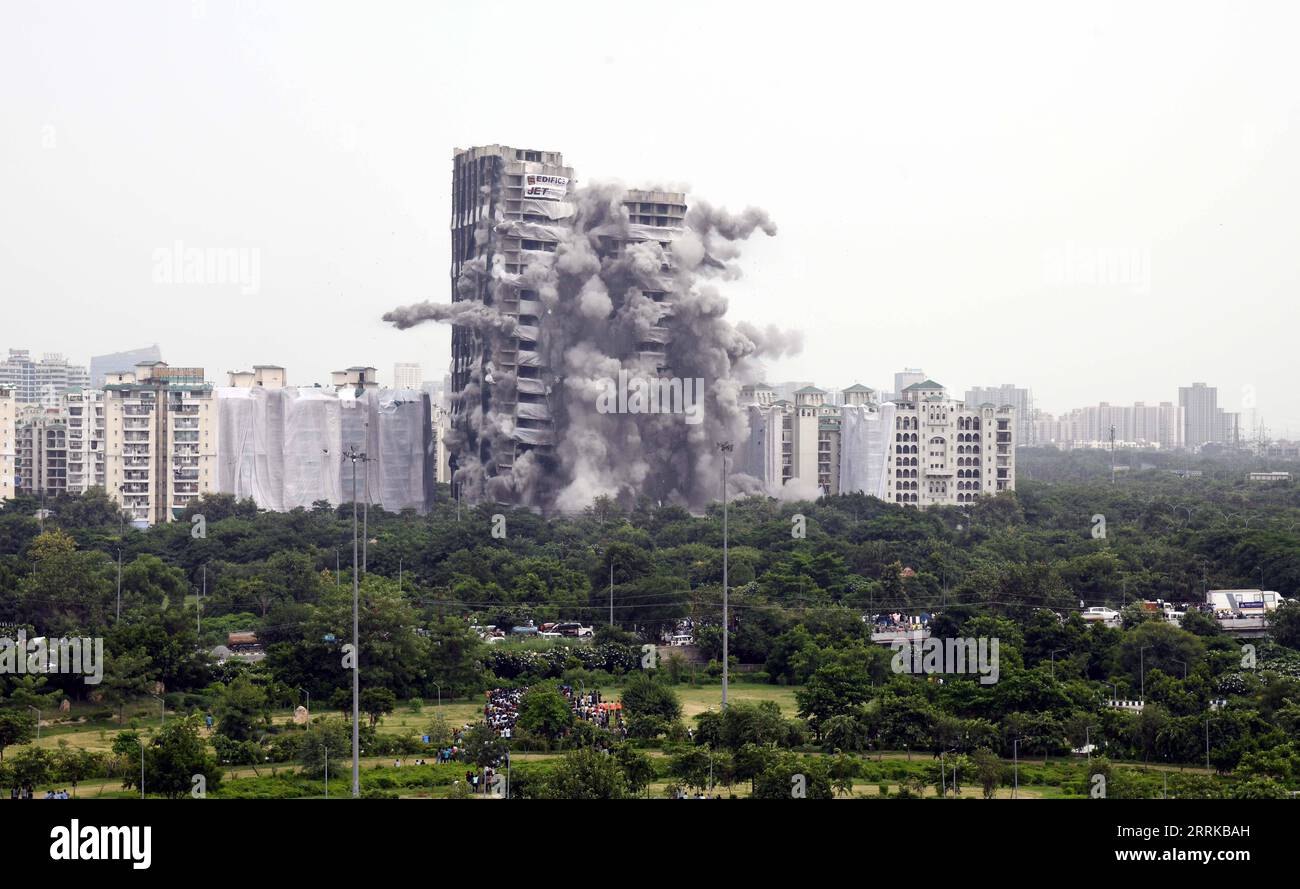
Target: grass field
x,y
79,729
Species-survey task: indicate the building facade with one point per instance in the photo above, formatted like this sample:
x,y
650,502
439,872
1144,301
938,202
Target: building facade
x,y
41,463
160,447
40,382
923,450
1022,399
8,440
407,375
83,412
493,185
1204,422
946,452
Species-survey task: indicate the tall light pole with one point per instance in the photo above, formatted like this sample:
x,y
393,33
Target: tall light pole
x,y
353,455
611,590
726,448
141,740
119,584
1112,454
1015,760
38,722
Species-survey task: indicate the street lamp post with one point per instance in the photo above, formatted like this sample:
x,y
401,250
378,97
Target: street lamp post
x,y
439,687
38,722
353,455
141,768
1054,660
119,584
726,448
1015,760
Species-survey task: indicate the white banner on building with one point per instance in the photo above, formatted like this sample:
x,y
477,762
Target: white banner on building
x,y
540,187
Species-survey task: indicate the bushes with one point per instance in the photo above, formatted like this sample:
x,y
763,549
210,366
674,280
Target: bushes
x,y
515,663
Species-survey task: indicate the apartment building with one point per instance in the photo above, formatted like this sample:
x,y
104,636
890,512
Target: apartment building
x,y
1139,425
40,382
923,450
265,376
160,444
83,413
653,216
1204,422
505,204
359,379
948,452
8,440
408,375
510,207
41,460
1022,399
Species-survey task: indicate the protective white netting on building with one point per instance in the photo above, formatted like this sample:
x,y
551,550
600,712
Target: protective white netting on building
x,y
759,455
284,447
864,446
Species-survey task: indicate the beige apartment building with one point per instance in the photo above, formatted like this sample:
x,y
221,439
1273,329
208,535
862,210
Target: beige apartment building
x,y
160,439
83,413
8,440
266,376
946,452
41,453
923,449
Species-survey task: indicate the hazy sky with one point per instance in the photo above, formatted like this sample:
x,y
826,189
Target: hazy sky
x,y
943,176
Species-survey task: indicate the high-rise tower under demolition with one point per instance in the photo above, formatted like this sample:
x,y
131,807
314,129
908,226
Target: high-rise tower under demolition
x,y
556,292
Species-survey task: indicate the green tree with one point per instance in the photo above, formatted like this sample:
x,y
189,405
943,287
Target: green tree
x,y
175,757
587,774
377,702
544,712
242,710
16,727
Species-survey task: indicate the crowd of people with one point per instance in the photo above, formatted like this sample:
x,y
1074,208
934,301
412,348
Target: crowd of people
x,y
587,705
501,709
26,793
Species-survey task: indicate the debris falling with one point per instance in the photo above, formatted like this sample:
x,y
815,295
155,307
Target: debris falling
x,y
599,299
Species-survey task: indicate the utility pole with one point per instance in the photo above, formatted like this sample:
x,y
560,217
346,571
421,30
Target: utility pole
x,y
611,591
725,447
353,455
1112,453
119,584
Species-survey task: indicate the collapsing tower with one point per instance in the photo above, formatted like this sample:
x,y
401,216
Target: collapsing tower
x,y
556,290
